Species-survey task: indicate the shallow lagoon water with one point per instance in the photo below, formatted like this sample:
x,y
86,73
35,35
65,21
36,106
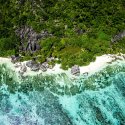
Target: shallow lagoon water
x,y
98,99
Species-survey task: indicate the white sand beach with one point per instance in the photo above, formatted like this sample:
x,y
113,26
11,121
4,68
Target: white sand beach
x,y
100,63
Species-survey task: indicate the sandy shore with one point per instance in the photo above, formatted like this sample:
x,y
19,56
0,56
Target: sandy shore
x,y
98,64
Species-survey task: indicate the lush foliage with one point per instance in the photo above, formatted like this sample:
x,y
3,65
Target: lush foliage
x,y
81,29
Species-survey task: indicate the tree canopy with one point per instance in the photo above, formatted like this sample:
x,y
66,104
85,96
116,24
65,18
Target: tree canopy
x,y
81,29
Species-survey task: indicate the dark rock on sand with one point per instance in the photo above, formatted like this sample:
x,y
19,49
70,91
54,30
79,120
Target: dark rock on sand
x,y
75,70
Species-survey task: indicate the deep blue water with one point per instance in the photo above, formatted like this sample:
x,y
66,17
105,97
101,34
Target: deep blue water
x,y
98,99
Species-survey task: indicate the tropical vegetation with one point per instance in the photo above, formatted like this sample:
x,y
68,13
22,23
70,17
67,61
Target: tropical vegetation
x,y
81,29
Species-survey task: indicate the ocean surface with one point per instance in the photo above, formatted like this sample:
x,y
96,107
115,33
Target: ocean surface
x,y
98,99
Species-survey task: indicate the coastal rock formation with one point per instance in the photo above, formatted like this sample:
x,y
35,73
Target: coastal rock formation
x,y
43,68
118,37
35,67
45,64
23,69
17,65
14,59
75,70
30,63
29,38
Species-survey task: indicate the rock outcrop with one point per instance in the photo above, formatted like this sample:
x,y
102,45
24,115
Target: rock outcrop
x,y
14,59
118,37
75,70
43,68
29,39
45,64
35,67
23,69
30,63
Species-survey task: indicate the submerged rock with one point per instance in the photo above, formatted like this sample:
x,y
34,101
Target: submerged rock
x,y
85,74
17,65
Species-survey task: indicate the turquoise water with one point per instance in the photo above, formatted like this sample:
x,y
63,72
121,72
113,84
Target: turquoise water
x,y
98,99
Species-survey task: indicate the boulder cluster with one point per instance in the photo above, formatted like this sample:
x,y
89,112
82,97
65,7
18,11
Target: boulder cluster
x,y
32,64
36,66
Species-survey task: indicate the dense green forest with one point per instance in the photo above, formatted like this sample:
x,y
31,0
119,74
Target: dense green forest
x,y
81,29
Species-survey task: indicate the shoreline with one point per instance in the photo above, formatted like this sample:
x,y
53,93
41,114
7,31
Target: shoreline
x,y
100,63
